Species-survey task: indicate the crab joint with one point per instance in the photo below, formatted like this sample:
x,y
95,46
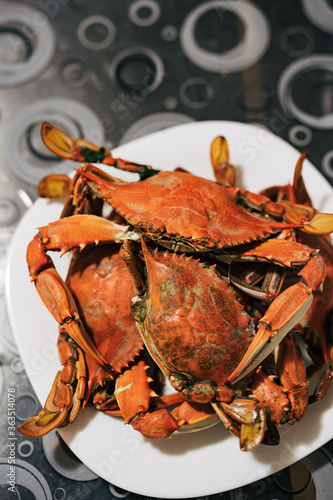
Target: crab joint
x,y
178,381
202,392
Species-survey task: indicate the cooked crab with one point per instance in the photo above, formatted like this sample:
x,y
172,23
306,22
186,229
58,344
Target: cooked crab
x,y
186,213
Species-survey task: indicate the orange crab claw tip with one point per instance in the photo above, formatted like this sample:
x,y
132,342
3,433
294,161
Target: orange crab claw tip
x,y
256,346
42,423
75,410
83,340
252,435
219,155
46,128
299,168
242,410
219,152
319,224
54,186
57,141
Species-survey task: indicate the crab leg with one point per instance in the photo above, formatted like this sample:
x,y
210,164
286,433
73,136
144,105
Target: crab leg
x,y
155,416
83,151
219,156
248,280
62,404
172,413
289,307
325,380
292,203
133,392
295,193
323,386
54,186
308,218
319,316
292,374
64,235
288,402
79,198
97,378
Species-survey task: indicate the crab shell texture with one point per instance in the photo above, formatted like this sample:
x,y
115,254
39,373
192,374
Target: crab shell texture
x,y
184,212
190,319
102,288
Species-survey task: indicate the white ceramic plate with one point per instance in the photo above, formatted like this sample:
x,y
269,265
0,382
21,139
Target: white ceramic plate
x,y
187,465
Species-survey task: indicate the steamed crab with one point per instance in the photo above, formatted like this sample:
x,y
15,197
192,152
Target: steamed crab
x,y
98,290
185,213
316,326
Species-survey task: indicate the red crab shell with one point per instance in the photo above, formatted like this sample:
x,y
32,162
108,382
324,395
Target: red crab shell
x,y
180,207
102,288
193,323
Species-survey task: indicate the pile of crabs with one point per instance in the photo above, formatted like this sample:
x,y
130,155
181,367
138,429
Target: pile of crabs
x,y
225,293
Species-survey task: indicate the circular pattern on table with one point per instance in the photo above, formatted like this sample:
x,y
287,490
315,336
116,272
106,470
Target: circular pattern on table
x,y
27,46
247,52
24,151
96,32
285,89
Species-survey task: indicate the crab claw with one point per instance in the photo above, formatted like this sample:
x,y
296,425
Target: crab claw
x,y
219,155
252,435
133,392
74,232
66,396
286,402
71,149
319,224
299,189
156,417
245,419
47,419
172,413
134,395
311,221
83,151
54,186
